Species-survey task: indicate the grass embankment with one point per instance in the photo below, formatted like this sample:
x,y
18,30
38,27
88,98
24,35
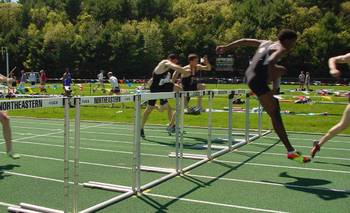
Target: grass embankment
x,y
307,123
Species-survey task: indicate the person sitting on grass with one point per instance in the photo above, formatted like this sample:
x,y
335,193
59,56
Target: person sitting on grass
x,y
6,128
262,70
345,120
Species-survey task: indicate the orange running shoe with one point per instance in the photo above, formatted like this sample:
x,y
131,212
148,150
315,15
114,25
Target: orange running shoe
x,y
298,157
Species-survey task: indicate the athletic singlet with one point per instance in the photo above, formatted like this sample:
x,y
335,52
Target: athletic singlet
x,y
161,82
189,83
258,66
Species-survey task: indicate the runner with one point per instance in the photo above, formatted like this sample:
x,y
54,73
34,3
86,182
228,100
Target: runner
x,y
162,82
189,79
262,71
345,120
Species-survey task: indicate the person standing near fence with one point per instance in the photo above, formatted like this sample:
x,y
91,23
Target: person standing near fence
x,y
345,120
307,81
100,82
32,79
301,78
43,79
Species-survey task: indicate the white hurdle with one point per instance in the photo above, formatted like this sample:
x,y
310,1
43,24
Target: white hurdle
x,y
45,103
136,188
127,191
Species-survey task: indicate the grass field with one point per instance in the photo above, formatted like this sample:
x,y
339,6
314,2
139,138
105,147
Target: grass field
x,y
292,122
254,178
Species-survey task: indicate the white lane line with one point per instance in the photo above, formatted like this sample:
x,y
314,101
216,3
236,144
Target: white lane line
x,y
92,149
167,137
33,176
212,203
72,161
149,194
162,145
279,154
36,128
107,126
116,141
219,135
308,139
287,167
222,161
323,148
269,183
19,120
192,175
38,177
54,133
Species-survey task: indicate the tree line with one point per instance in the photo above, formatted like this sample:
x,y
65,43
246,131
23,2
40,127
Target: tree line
x,y
129,37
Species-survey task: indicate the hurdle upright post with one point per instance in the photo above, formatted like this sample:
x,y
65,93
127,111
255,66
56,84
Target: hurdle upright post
x,y
210,109
136,168
247,117
77,101
230,123
177,130
182,130
66,155
260,112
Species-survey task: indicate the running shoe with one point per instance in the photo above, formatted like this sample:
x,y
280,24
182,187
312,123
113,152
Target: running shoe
x,y
143,134
315,148
298,157
13,155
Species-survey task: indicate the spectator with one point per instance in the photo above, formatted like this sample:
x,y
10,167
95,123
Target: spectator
x,y
308,81
32,78
43,80
301,81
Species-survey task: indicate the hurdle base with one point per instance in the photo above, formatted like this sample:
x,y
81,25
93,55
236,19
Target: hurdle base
x,y
157,169
30,208
188,156
20,210
107,186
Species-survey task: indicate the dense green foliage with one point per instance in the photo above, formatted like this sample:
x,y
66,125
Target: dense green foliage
x,y
130,36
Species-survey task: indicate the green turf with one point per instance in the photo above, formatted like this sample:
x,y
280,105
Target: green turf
x,y
255,176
